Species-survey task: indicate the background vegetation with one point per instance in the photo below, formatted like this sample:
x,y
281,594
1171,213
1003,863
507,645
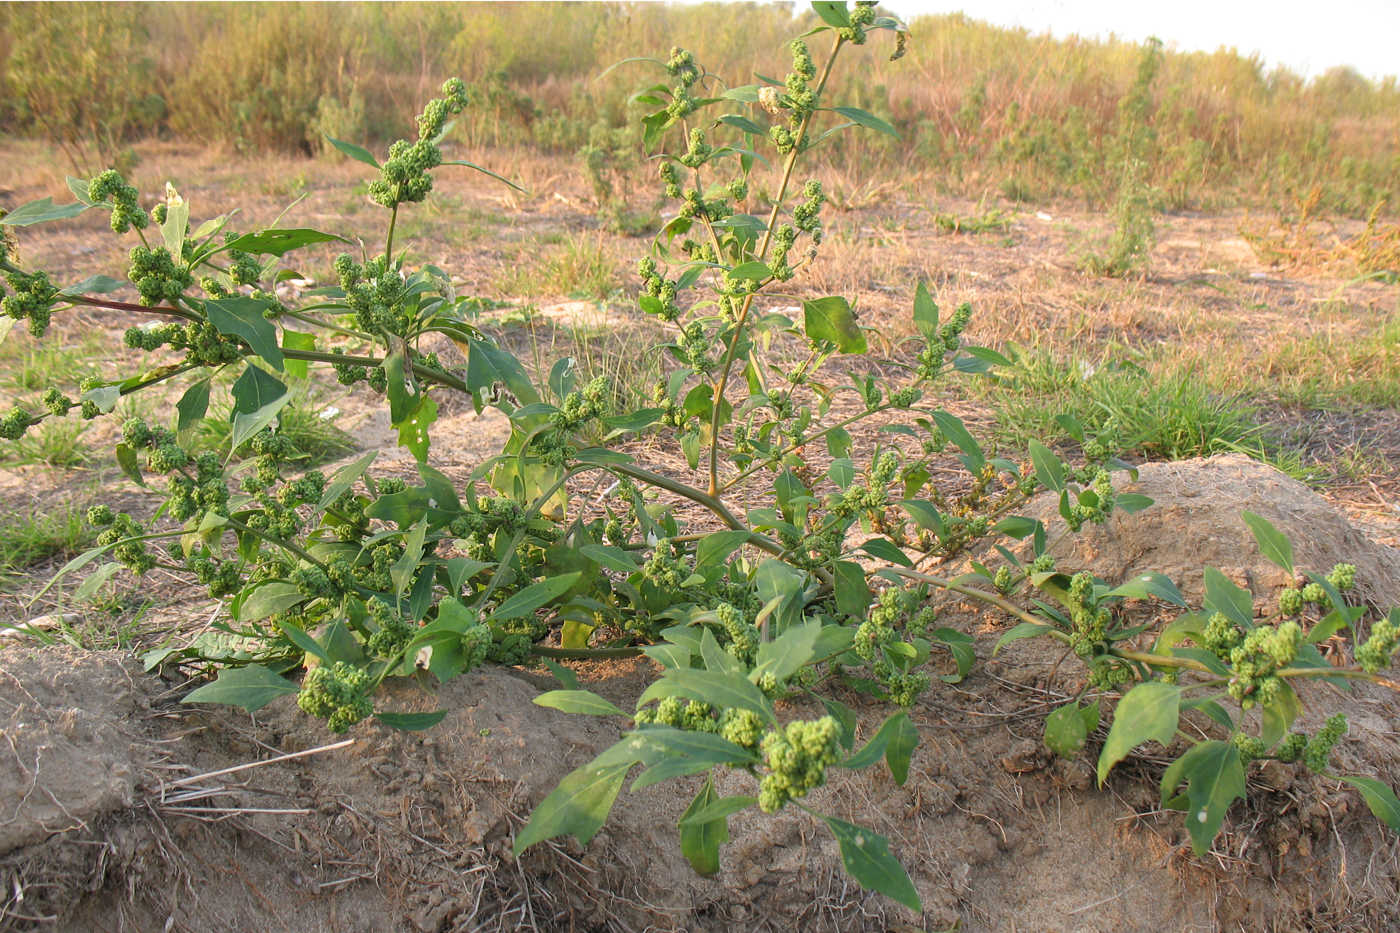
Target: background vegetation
x,y
985,109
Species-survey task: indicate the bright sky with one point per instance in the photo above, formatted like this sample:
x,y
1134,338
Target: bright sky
x,y
1307,37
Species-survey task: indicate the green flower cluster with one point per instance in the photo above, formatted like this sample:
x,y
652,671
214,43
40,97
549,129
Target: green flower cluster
x,y
1088,620
111,186
741,637
661,290
375,292
893,611
797,759
1318,754
1374,654
336,693
664,569
33,299
681,66
157,276
799,102
118,529
201,341
205,492
861,17
1254,658
1093,508
15,422
404,175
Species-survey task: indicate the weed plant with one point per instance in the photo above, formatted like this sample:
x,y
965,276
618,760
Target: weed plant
x,y
796,566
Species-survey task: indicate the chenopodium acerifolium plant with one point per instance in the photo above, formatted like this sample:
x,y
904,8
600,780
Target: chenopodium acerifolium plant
x,y
358,576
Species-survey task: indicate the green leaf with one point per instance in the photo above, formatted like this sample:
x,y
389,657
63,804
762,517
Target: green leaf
x,y
564,675
866,855
578,701
1131,502
883,549
833,13
1214,776
609,557
712,687
297,340
785,655
94,580
411,722
1147,585
95,285
925,515
126,459
578,806
303,640
1148,712
251,688
345,477
753,271
243,318
358,153
484,171
1273,544
1379,797
953,429
701,839
1279,714
269,598
961,646
177,224
1234,602
867,120
534,596
255,389
1067,728
832,320
193,405
1020,631
895,740
852,591
845,718
738,121
1017,526
925,313
1048,467
718,808
281,242
716,547
42,211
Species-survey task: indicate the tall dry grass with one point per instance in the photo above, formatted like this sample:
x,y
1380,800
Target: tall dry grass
x,y
981,109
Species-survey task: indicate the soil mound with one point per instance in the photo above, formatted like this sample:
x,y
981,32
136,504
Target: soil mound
x,y
1195,523
122,810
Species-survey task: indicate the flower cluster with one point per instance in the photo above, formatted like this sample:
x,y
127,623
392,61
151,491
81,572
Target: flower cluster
x,y
404,175
797,759
33,299
336,693
111,187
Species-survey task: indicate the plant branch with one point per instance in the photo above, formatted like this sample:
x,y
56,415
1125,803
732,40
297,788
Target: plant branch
x,y
732,347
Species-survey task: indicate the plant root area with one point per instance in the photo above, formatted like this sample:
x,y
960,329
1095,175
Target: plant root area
x,y
121,809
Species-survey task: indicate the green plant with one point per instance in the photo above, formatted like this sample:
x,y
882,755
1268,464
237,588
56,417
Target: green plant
x,y
27,539
1131,157
803,570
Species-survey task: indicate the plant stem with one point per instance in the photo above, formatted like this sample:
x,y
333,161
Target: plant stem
x,y
389,240
583,654
732,347
108,304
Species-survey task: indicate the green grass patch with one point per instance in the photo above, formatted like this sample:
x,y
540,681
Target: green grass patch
x,y
307,424
1128,408
28,539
